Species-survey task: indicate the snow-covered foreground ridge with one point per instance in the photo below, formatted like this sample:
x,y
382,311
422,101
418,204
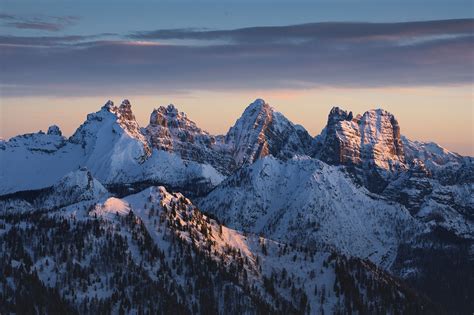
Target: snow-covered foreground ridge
x,y
156,251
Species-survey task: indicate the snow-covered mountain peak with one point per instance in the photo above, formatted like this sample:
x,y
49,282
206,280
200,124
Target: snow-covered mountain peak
x,y
112,142
172,131
75,186
123,112
170,110
37,142
258,111
444,165
258,104
167,111
262,131
80,179
372,143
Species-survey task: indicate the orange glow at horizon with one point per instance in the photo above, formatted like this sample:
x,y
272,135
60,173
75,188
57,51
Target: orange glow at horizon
x,y
444,115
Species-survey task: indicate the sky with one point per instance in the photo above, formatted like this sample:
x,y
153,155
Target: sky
x,y
60,60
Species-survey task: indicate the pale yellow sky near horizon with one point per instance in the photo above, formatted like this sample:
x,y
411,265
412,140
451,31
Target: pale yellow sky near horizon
x,y
444,115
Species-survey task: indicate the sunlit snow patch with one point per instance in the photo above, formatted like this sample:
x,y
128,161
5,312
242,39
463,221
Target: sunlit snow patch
x,y
111,207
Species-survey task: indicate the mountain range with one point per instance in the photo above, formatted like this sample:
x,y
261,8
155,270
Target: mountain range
x,y
120,218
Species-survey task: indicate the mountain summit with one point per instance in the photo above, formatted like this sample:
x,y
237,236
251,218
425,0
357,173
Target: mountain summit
x,y
262,131
172,131
370,141
112,142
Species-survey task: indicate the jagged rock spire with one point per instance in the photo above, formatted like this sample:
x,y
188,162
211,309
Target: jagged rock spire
x,y
54,130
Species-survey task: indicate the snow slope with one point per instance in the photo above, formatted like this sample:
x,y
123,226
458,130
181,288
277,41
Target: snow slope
x,y
74,187
35,161
305,201
113,146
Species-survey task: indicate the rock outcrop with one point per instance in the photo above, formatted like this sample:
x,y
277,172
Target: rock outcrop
x,y
370,142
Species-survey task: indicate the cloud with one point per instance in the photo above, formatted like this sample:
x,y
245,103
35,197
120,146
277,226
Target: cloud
x,y
45,41
49,23
353,31
6,16
85,66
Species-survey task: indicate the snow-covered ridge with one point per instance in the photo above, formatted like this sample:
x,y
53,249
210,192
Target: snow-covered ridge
x,y
40,142
159,240
75,187
308,202
432,154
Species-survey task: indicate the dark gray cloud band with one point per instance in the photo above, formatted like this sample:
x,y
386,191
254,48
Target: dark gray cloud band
x,y
421,53
48,23
355,31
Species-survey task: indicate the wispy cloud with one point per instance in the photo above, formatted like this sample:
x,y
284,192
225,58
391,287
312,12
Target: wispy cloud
x,y
41,41
300,56
54,41
47,23
341,31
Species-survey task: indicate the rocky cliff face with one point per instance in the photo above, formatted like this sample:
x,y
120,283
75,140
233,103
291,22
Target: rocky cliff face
x,y
172,131
262,131
370,139
370,142
411,187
